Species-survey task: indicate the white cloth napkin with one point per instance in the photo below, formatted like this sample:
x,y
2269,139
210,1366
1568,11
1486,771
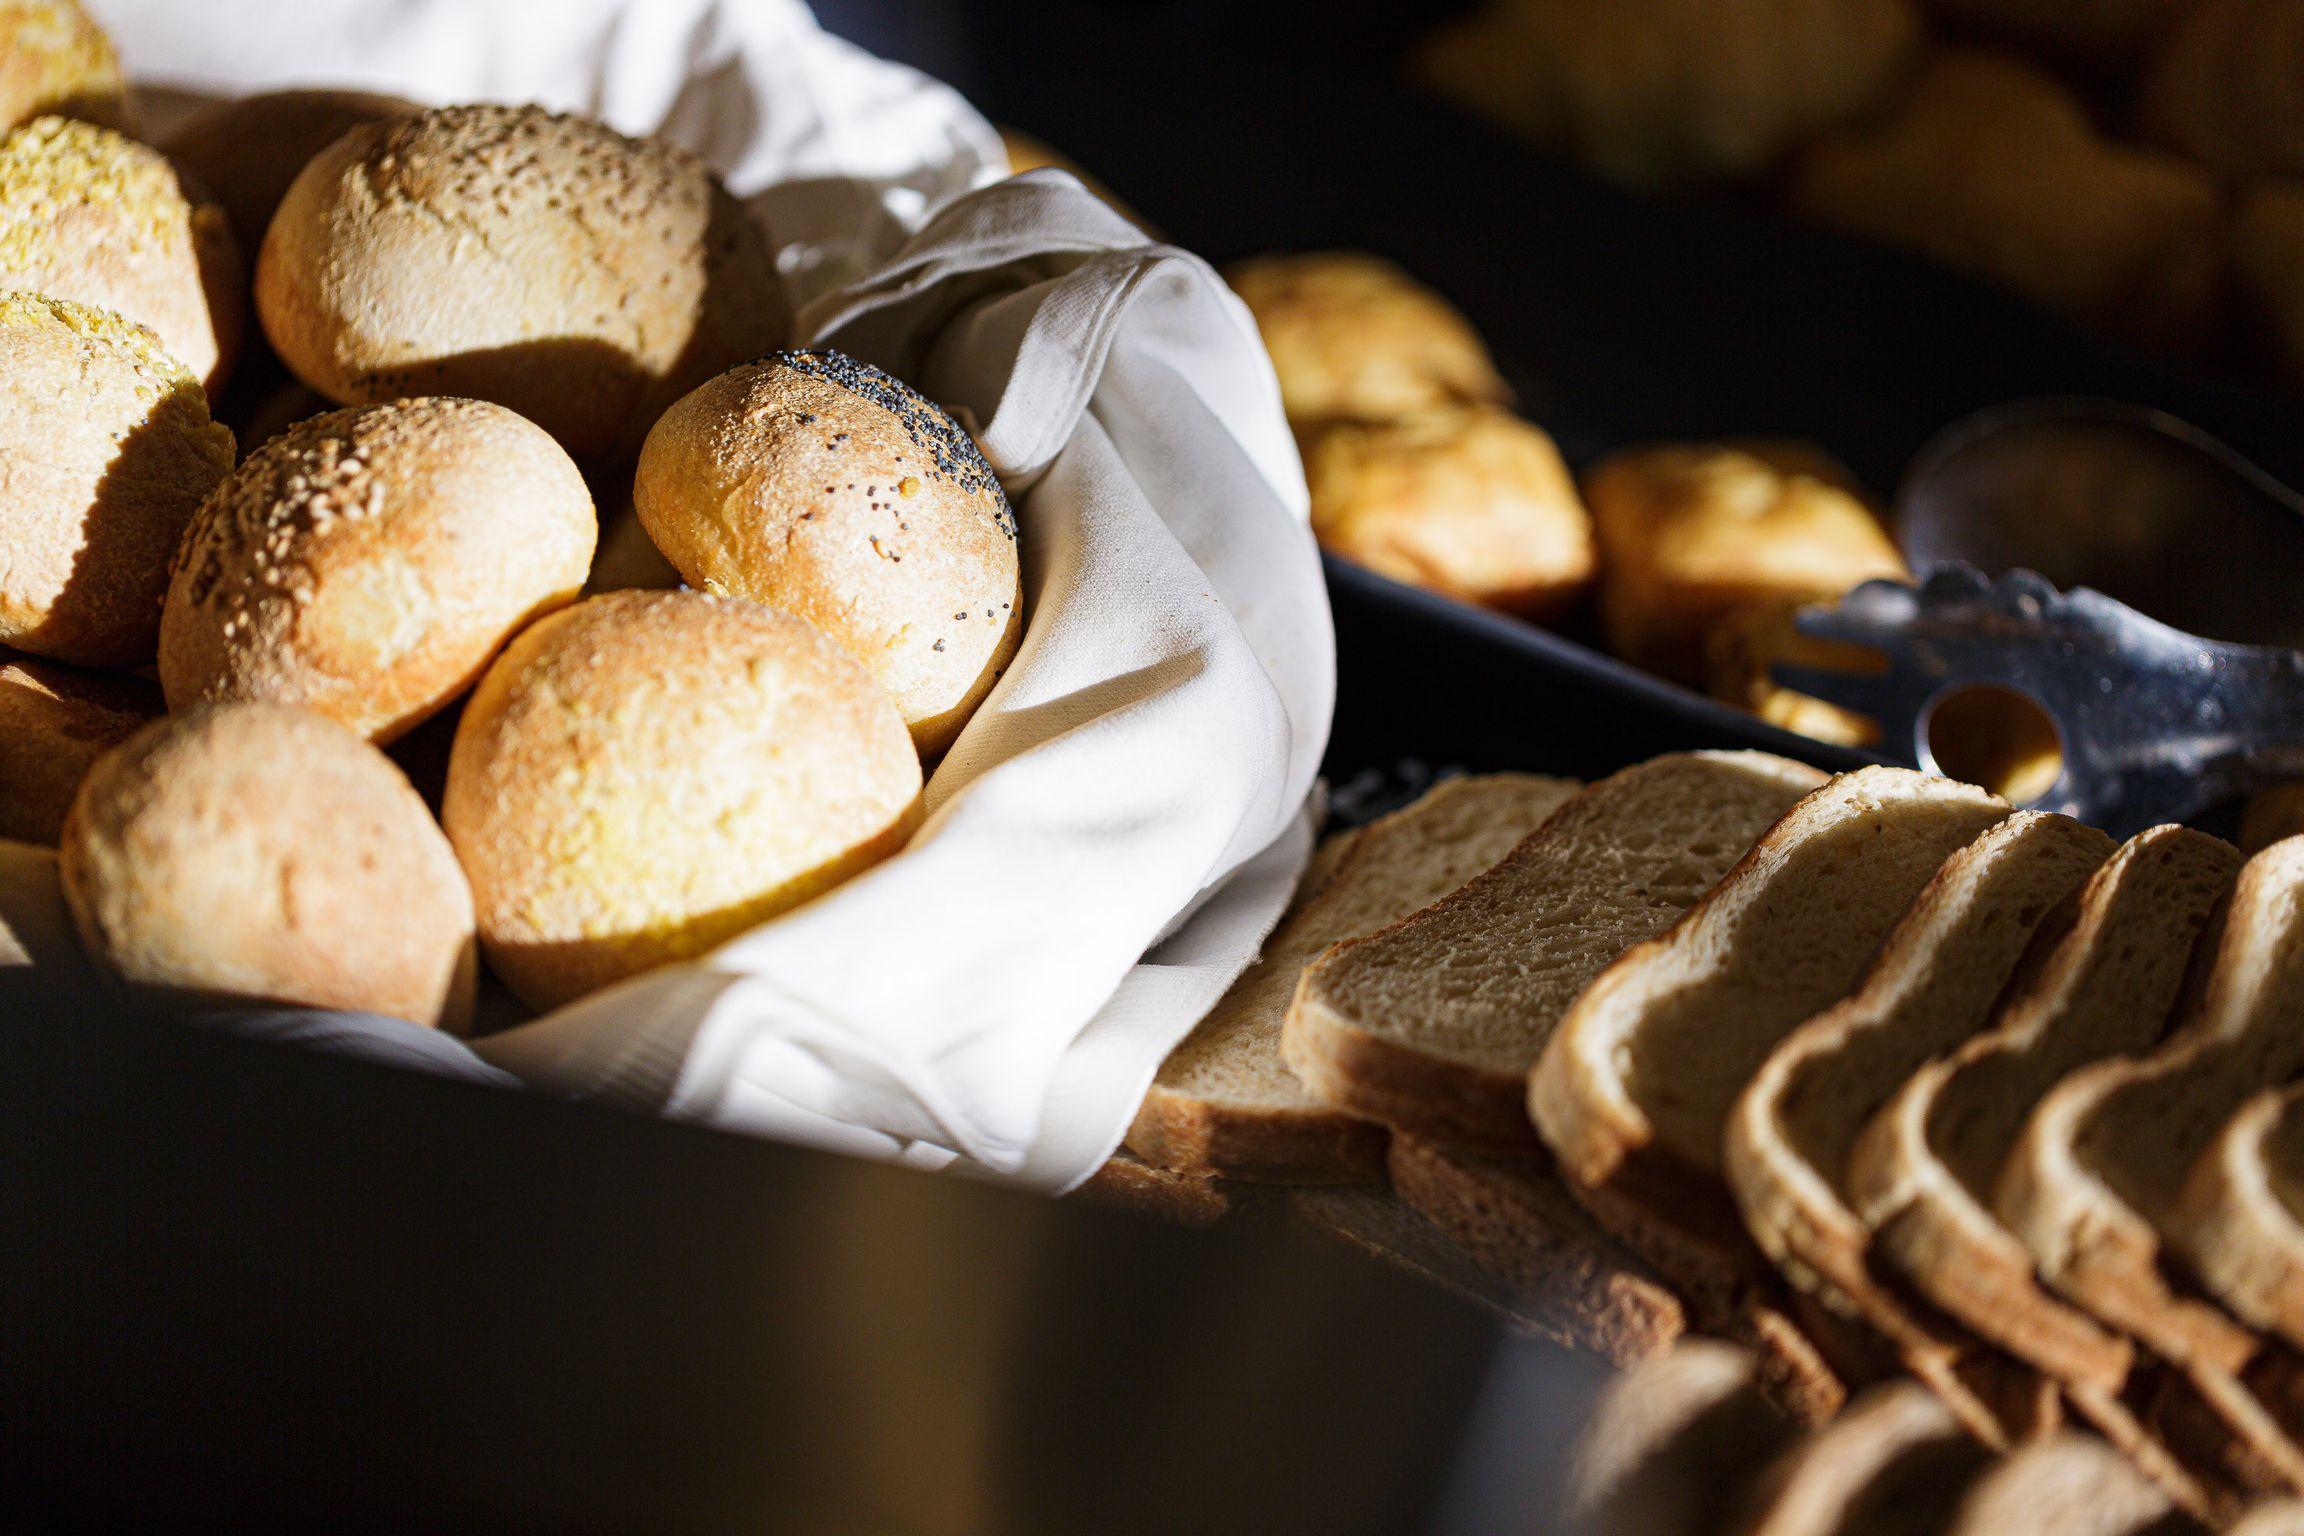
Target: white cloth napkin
x,y
1113,835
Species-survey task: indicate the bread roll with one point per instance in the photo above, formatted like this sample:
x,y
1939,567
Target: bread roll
x,y
1661,94
366,564
824,487
1689,534
108,449
1474,503
1994,168
647,774
246,151
1354,338
91,215
54,59
256,851
546,263
54,722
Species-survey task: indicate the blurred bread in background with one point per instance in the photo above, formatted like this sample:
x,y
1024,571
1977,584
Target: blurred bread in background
x,y
1747,641
646,775
253,851
54,59
108,450
90,215
248,150
1993,167
544,262
55,721
1689,534
1662,94
1473,502
835,492
368,563
1354,338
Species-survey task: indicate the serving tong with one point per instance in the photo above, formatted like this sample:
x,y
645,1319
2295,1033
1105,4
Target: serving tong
x,y
2094,511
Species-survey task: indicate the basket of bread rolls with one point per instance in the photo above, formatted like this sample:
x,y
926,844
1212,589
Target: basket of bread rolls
x,y
651,559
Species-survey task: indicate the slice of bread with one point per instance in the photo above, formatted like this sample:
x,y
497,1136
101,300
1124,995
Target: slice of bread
x,y
2100,981
1671,1444
1574,1282
2071,1485
2240,1217
1127,1183
1432,1024
1932,985
1897,1463
2101,1160
1223,1101
1635,1089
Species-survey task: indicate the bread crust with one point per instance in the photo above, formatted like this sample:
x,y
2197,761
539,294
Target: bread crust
x,y
90,215
644,775
838,493
368,564
109,450
257,851
545,262
54,59
2233,1223
55,721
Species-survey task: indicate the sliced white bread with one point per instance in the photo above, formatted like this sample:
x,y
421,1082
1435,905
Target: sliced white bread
x,y
1224,1102
2102,982
1671,1443
2101,1161
2071,1485
2240,1217
1897,1463
1932,985
1634,1091
1574,1282
1432,1024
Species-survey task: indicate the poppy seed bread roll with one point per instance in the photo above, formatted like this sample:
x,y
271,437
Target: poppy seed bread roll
x,y
90,215
55,721
248,151
822,486
258,851
647,774
547,263
108,450
368,563
54,59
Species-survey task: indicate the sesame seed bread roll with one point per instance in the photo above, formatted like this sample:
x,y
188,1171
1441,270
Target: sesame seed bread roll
x,y
55,721
257,851
90,215
820,485
368,563
647,774
108,450
247,151
544,262
54,59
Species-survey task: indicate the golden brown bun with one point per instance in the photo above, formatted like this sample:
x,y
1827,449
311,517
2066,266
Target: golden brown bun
x,y
247,151
2267,257
53,59
1474,503
108,450
90,215
647,774
1689,534
367,564
824,487
257,851
547,263
1354,338
54,722
1993,167
1670,93
1746,642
